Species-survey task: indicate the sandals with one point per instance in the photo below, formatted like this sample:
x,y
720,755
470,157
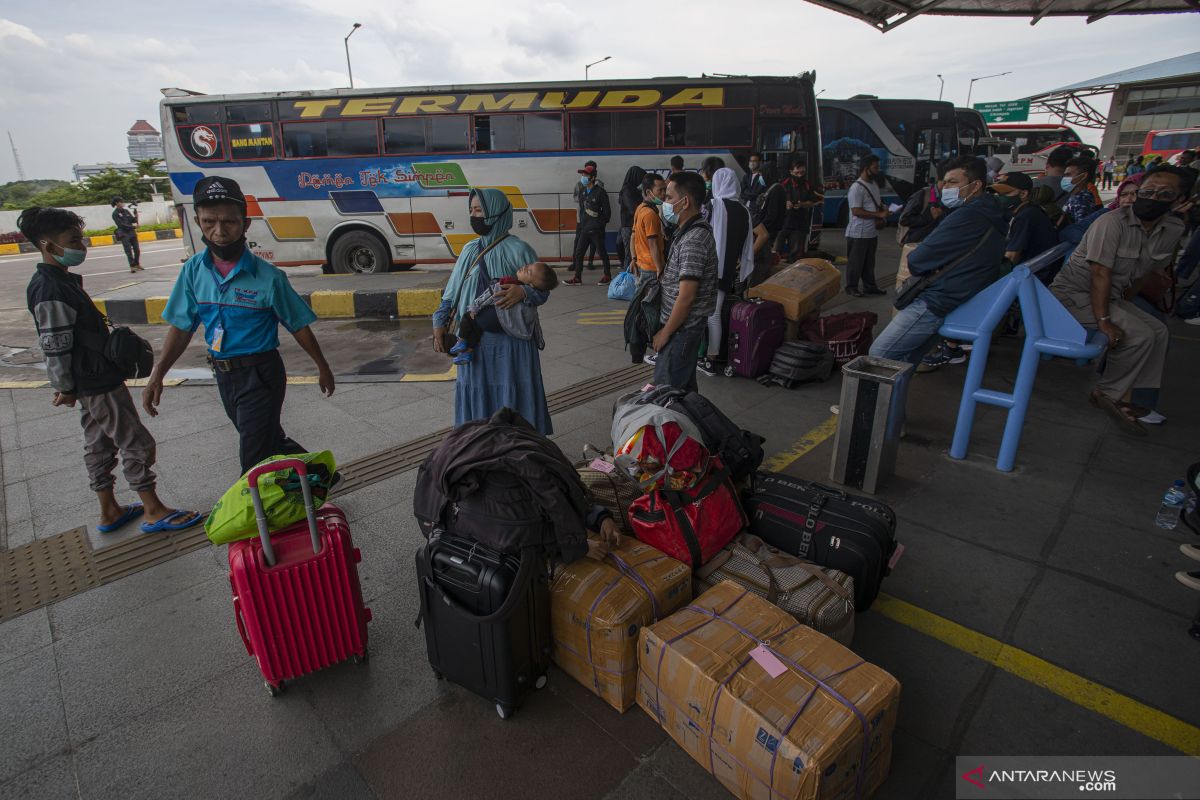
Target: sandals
x,y
1121,412
175,521
128,514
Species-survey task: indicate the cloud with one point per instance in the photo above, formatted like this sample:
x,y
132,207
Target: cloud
x,y
15,30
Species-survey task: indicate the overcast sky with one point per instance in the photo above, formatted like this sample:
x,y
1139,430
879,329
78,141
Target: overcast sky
x,y
75,74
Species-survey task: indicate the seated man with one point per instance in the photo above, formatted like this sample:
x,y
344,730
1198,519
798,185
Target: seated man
x,y
1117,252
1031,232
962,254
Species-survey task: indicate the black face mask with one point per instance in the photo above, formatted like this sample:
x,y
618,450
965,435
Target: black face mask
x,y
1147,209
226,252
481,226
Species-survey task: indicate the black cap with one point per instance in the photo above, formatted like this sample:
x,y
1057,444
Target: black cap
x,y
1013,182
115,200
218,190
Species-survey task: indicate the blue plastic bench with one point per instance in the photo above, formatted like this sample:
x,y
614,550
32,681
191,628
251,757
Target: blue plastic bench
x,y
1050,332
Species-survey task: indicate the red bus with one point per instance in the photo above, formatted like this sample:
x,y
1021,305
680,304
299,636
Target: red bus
x,y
1170,143
1032,143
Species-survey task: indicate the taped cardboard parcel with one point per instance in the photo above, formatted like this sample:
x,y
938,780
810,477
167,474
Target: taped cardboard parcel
x,y
801,288
821,729
598,607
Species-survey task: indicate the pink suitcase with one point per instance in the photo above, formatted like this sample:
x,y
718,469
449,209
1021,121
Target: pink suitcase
x,y
296,595
756,329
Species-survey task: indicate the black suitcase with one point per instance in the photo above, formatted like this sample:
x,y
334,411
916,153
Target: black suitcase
x,y
827,526
797,362
486,618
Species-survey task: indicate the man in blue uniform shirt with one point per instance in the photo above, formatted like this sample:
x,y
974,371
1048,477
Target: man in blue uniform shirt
x,y
240,299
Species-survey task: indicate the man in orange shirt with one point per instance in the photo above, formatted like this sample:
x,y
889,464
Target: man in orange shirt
x,y
647,225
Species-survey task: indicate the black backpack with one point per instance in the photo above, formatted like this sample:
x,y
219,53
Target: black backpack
x,y
740,450
495,509
797,362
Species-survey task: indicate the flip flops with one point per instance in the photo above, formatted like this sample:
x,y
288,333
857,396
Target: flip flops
x,y
1120,415
128,514
165,525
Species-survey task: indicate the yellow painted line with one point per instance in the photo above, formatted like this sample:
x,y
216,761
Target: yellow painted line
x,y
417,302
167,382
100,241
808,442
1187,338
598,322
1074,688
332,303
147,236
10,249
23,384
124,286
102,305
154,310
615,312
300,380
448,375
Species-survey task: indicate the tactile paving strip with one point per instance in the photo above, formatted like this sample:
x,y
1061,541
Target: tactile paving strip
x,y
52,569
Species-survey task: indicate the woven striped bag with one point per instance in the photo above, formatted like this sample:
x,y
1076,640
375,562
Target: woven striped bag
x,y
609,486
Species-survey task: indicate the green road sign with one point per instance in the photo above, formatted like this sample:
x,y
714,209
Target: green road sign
x,y
1010,111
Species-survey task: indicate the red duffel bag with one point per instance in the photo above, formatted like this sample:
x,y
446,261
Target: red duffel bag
x,y
848,335
694,524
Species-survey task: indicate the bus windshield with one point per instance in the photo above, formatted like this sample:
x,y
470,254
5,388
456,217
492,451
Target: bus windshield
x,y
368,180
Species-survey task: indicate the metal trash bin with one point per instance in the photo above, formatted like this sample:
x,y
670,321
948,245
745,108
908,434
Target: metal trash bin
x,y
870,419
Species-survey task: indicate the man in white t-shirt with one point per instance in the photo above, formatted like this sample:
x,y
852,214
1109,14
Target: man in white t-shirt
x,y
867,212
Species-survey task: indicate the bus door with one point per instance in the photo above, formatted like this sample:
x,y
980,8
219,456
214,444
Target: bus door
x,y
934,144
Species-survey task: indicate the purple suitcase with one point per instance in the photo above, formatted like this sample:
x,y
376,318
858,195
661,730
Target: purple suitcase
x,y
756,330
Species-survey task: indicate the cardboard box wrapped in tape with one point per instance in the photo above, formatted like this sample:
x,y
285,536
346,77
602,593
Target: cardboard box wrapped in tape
x,y
772,708
801,288
597,609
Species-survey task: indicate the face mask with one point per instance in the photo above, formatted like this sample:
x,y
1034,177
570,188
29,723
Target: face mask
x,y
950,198
656,201
1008,202
1147,209
70,257
669,213
755,167
584,180
1068,184
481,226
226,252
708,186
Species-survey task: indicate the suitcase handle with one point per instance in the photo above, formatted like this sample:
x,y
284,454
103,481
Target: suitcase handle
x,y
241,624
515,595
260,514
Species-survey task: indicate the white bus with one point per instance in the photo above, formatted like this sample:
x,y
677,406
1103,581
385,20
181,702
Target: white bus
x,y
374,179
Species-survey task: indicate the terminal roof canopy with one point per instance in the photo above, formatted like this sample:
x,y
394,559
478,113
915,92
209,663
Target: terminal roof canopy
x,y
887,14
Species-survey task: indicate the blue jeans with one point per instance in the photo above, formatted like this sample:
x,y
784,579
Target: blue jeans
x,y
676,362
909,335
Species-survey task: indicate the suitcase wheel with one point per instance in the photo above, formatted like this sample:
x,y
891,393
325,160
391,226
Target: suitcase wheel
x,y
272,690
540,683
729,370
361,658
505,711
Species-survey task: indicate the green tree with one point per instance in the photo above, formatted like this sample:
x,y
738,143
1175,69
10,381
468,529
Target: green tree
x,y
101,188
18,194
149,166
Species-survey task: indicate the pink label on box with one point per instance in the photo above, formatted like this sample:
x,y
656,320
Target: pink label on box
x,y
600,465
647,387
767,660
899,551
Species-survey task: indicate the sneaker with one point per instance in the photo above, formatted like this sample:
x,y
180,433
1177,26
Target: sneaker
x,y
1152,418
605,280
934,360
1190,550
1189,579
956,354
835,410
650,358
706,366
1192,320
853,292
574,282
966,347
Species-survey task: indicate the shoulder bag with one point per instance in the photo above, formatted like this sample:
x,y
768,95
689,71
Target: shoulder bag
x,y
912,288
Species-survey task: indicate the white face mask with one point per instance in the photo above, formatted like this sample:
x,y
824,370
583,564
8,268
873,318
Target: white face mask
x,y
950,198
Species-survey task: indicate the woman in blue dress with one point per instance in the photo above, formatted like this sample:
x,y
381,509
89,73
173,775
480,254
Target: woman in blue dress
x,y
504,371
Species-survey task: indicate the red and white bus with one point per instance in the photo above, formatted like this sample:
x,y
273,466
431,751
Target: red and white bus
x,y
1170,143
1032,143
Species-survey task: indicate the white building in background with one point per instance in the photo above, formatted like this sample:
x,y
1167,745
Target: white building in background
x,y
144,141
83,171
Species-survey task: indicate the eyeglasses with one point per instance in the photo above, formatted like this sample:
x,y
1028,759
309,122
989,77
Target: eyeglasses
x,y
1162,194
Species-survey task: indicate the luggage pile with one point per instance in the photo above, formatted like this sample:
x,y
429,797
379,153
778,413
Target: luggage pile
x,y
725,612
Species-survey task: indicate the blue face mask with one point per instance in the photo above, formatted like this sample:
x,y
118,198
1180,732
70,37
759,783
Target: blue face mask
x,y
1068,184
950,198
669,213
70,257
584,180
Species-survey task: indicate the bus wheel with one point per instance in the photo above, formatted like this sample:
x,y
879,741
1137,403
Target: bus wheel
x,y
361,252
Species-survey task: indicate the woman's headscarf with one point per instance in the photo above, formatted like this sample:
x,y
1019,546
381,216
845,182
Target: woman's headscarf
x,y
631,189
725,187
1132,180
503,259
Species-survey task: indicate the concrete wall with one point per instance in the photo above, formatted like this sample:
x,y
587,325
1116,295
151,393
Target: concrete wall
x,y
101,216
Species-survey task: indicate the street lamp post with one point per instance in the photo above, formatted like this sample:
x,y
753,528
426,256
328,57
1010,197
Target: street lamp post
x,y
971,86
594,63
346,41
941,88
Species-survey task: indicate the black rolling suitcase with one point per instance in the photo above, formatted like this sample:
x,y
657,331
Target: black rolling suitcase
x,y
827,526
487,618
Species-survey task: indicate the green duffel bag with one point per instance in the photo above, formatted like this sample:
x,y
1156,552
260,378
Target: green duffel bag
x,y
232,518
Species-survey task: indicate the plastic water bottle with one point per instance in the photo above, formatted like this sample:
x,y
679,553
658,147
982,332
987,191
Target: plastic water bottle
x,y
1168,513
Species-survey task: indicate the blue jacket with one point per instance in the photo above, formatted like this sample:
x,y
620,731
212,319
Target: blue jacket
x,y
958,232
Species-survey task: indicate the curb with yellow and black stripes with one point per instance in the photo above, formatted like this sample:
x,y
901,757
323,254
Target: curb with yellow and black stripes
x,y
327,304
94,241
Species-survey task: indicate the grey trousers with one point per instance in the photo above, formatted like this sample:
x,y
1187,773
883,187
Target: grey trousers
x,y
111,425
1138,359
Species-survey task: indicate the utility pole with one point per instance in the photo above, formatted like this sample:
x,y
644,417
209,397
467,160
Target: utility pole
x,y
16,158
